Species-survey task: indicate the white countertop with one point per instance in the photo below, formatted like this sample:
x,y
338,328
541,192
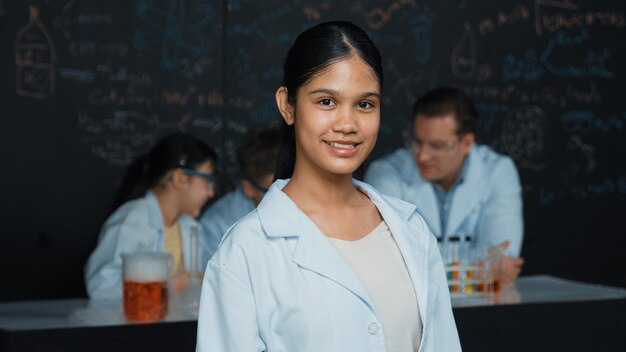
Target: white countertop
x,y
80,312
543,289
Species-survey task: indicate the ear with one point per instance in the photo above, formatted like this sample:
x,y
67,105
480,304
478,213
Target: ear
x,y
467,141
178,178
248,189
286,110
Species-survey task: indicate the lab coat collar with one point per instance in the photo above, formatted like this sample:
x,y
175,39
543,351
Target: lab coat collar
x,y
280,217
315,252
155,215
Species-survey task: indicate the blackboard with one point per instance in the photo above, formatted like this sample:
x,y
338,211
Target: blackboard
x,y
89,85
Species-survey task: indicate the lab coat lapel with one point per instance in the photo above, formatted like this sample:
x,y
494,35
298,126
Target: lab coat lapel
x,y
316,253
311,249
156,220
467,194
414,248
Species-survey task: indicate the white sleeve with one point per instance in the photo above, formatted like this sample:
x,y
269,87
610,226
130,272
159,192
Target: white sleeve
x,y
502,218
103,271
227,320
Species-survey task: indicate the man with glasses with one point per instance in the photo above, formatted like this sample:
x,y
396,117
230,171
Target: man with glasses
x,y
460,188
257,157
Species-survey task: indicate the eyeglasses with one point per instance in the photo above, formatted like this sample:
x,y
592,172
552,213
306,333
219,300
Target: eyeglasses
x,y
210,177
435,149
256,185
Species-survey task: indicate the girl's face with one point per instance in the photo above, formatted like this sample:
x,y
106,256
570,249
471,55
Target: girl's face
x,y
198,190
336,118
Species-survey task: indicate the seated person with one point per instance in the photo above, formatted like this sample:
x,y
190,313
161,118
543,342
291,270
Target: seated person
x,y
459,187
154,210
257,160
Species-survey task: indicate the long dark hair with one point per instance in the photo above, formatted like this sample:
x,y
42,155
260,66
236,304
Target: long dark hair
x,y
170,152
313,51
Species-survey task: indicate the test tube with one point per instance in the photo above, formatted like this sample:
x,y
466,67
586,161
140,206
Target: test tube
x,y
453,263
191,296
468,275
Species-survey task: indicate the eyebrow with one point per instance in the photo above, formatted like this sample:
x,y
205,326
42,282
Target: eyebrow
x,y
334,92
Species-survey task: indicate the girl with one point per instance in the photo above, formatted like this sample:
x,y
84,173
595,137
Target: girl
x,y
325,263
154,209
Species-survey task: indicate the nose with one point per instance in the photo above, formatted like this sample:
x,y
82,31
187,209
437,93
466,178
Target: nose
x,y
210,193
422,154
345,120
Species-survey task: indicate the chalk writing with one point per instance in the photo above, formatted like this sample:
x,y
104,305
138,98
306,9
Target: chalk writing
x,y
35,58
540,4
312,11
85,48
212,124
587,152
594,63
117,138
77,74
406,84
583,122
463,59
564,96
520,13
105,73
191,69
378,17
178,33
573,19
524,132
186,98
527,68
421,25
603,186
256,28
489,114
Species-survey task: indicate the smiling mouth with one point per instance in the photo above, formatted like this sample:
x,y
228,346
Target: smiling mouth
x,y
342,145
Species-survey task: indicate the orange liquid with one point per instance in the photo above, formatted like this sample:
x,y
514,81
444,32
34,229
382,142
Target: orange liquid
x,y
145,301
493,286
455,277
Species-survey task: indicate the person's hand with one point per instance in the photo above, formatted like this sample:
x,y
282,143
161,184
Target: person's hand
x,y
179,281
509,267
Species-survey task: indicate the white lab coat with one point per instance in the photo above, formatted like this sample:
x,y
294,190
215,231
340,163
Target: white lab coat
x,y
486,206
136,226
276,283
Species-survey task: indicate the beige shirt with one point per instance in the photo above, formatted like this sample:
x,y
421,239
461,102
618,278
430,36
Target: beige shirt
x,y
173,245
377,261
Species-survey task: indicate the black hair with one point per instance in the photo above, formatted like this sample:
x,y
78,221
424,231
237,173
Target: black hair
x,y
313,51
170,152
258,152
445,101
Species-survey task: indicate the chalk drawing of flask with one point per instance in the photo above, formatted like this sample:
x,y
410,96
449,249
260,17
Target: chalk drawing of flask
x,y
35,58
